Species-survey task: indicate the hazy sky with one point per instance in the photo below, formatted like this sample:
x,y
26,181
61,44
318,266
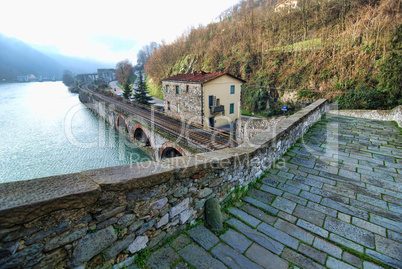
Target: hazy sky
x,y
105,30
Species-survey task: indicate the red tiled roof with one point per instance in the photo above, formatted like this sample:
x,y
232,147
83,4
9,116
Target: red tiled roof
x,y
199,77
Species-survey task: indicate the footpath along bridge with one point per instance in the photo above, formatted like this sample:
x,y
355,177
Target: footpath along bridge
x,y
160,136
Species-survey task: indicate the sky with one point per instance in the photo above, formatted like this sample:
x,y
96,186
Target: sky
x,y
107,31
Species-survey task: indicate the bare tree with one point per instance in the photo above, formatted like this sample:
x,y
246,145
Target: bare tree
x,y
124,70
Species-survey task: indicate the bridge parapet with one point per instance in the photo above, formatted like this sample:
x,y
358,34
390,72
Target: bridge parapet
x,y
94,216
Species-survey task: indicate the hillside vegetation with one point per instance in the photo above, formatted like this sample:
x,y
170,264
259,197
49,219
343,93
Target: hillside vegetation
x,y
346,50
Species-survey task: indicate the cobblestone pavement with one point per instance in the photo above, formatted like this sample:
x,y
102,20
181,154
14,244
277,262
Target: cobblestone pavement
x,y
334,202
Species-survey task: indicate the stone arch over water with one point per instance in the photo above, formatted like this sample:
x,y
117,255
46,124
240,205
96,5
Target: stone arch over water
x,y
170,150
121,122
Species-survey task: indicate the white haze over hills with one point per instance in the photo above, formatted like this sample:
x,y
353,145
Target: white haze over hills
x,y
19,59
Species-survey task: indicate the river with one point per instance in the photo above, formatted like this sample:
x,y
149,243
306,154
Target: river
x,y
45,130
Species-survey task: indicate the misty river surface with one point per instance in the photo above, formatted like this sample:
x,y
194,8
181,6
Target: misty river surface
x,y
45,130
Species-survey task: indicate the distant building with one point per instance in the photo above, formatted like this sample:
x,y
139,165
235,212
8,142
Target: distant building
x,y
107,74
27,78
89,77
286,5
210,99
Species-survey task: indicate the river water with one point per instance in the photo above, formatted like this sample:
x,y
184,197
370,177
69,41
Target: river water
x,y
45,130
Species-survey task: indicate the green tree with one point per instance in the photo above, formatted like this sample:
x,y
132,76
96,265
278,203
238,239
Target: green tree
x,y
140,94
68,78
127,90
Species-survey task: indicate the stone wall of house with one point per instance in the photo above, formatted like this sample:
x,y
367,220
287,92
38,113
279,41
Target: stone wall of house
x,y
101,217
386,115
189,101
248,128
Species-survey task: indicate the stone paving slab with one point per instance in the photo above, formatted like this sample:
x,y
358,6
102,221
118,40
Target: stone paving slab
x,y
338,194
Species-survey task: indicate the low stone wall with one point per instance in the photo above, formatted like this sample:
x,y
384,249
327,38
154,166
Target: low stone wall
x,y
100,217
386,115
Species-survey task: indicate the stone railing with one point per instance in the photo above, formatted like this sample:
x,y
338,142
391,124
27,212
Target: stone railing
x,y
385,115
248,128
103,216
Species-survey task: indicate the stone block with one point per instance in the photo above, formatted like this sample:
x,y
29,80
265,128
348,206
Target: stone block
x,y
309,215
369,226
118,247
300,259
174,211
388,247
136,225
65,238
126,220
146,227
257,237
163,221
387,223
244,216
109,214
312,228
199,258
261,205
269,189
185,215
159,204
327,247
295,198
91,245
286,216
23,256
204,193
139,243
236,240
203,236
313,253
311,196
180,192
284,204
349,231
279,236
384,258
322,209
259,214
344,217
265,258
347,209
180,242
162,258
232,258
294,231
352,259
261,195
64,226
157,239
345,242
337,264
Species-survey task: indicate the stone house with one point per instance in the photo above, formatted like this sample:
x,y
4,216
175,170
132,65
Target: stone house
x,y
210,99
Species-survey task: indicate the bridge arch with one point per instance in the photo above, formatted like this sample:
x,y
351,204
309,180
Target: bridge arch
x,y
170,150
120,120
141,134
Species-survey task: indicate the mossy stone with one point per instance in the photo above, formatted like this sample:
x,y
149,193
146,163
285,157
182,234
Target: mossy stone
x,y
213,215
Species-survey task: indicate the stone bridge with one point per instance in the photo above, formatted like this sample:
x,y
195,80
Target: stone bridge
x,y
160,137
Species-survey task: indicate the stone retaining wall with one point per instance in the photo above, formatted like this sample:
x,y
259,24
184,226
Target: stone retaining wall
x,y
101,217
385,115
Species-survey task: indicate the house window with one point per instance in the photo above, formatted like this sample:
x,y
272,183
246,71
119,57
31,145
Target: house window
x,y
232,89
167,88
168,105
187,88
178,108
177,89
231,108
210,101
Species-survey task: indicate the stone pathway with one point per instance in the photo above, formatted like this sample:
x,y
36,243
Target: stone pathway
x,y
335,201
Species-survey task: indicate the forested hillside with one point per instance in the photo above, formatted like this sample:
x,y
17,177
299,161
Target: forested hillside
x,y
348,50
